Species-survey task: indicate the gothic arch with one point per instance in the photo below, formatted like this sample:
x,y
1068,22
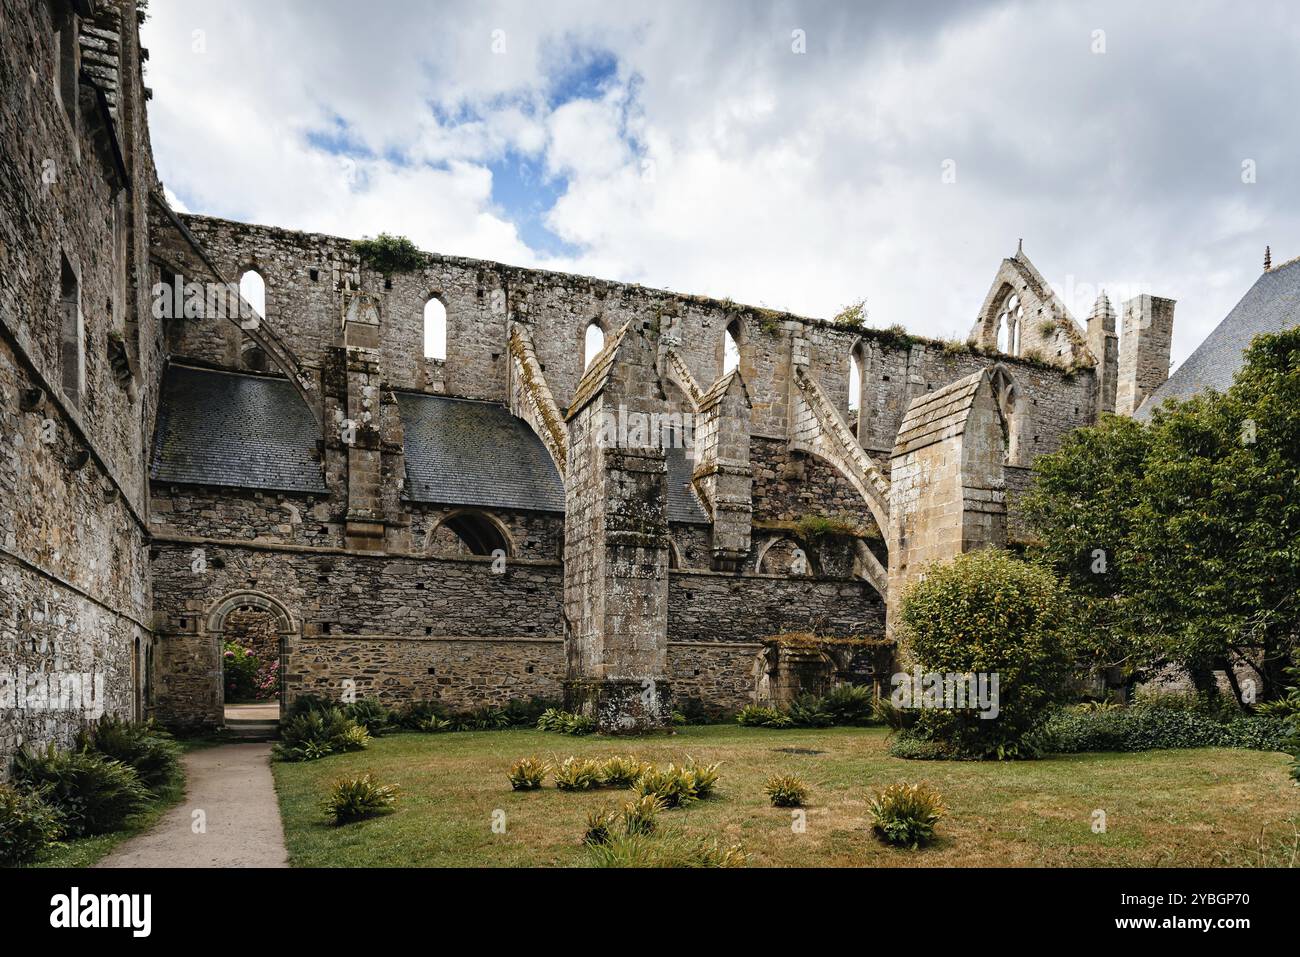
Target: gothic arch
x,y
486,530
1013,406
786,540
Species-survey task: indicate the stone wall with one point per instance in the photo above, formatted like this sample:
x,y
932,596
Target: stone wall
x,y
74,576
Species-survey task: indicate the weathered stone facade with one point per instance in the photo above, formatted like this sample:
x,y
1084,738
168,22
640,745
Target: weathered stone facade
x,y
638,564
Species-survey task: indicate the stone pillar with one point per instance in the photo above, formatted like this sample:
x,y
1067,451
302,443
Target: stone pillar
x,y
1104,344
616,542
722,471
947,483
365,428
1144,350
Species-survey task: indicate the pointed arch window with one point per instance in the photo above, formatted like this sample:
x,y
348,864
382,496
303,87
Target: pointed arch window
x,y
593,341
855,382
731,348
1010,320
435,330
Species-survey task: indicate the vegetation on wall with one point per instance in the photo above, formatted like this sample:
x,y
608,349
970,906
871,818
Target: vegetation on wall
x,y
388,254
852,316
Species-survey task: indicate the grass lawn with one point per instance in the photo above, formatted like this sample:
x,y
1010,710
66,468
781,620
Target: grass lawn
x,y
1163,808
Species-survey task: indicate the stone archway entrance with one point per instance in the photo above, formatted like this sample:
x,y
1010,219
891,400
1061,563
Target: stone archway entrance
x,y
258,625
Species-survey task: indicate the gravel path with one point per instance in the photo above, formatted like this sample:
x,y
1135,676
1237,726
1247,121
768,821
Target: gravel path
x,y
240,824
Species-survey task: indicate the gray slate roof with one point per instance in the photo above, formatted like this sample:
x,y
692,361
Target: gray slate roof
x,y
1271,305
462,452
226,428
465,452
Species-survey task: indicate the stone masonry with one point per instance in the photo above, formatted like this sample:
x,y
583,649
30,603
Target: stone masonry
x,y
516,554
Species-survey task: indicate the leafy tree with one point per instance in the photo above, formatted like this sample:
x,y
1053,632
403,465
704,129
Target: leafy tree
x,y
1198,519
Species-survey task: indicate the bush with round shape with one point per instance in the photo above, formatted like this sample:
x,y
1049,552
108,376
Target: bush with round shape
x,y
987,612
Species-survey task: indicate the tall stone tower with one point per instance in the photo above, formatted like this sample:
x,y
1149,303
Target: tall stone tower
x,y
1144,350
616,542
1104,343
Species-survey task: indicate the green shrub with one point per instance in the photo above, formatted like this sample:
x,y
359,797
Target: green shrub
x,y
600,826
420,715
673,786
151,751
28,825
387,254
641,850
809,711
987,612
577,774
92,793
850,705
521,713
758,716
905,814
377,719
304,703
1288,705
1158,726
483,718
357,798
565,722
527,774
314,734
893,717
620,772
239,668
911,746
786,790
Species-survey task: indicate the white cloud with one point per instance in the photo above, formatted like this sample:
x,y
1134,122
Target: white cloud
x,y
716,160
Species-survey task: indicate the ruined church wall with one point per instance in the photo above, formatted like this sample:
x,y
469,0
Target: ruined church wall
x,y
479,295
74,575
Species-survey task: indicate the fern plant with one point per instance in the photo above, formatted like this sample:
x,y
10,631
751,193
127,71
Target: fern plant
x,y
905,814
358,798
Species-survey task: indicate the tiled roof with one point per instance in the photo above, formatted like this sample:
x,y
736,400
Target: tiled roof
x,y
226,428
1270,305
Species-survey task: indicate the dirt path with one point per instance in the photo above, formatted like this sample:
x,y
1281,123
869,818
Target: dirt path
x,y
240,824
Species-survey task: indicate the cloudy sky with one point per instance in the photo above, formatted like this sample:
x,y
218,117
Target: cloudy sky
x,y
795,155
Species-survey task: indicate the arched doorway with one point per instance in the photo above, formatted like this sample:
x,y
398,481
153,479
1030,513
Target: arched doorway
x,y
251,632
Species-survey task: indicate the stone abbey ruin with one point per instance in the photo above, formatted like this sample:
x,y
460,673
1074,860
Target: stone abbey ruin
x,y
491,518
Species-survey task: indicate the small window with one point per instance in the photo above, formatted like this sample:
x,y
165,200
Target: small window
x,y
252,289
435,330
855,384
731,349
593,342
65,70
72,347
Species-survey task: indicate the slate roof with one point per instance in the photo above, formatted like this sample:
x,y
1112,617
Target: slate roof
x,y
938,415
462,452
1270,305
226,428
